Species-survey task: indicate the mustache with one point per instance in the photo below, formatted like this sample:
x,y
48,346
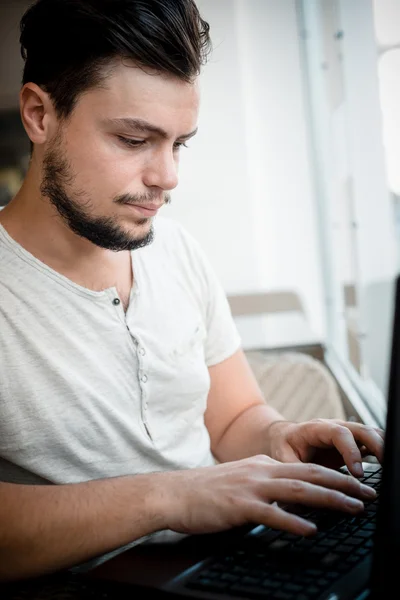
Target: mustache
x,y
143,198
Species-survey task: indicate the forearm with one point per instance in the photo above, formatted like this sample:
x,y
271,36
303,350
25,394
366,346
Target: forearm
x,y
248,434
47,528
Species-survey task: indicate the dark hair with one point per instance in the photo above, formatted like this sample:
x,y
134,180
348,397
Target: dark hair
x,y
67,45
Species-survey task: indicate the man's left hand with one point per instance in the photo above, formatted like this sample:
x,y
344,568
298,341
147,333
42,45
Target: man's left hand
x,y
328,442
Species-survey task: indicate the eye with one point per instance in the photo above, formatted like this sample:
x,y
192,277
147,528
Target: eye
x,y
138,143
130,143
179,145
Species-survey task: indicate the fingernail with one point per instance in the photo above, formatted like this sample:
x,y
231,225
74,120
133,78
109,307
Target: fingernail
x,y
354,503
357,469
368,492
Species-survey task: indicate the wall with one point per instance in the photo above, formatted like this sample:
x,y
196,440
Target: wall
x,y
245,189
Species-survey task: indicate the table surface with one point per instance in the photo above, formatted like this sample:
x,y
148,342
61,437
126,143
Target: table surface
x,y
126,575
76,587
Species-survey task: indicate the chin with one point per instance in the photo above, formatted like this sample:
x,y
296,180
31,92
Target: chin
x,y
139,230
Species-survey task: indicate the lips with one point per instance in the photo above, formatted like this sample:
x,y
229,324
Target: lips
x,y
146,209
147,206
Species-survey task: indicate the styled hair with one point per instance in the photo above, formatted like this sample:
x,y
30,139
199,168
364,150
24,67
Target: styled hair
x,y
70,46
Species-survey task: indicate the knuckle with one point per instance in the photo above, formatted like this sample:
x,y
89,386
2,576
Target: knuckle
x,y
334,497
247,480
262,459
354,453
371,430
351,484
348,483
340,431
340,497
313,470
318,421
297,488
253,465
236,502
337,427
259,458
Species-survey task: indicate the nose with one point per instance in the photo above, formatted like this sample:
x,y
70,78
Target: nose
x,y
162,170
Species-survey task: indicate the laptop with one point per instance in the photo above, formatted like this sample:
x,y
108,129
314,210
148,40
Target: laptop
x,y
349,558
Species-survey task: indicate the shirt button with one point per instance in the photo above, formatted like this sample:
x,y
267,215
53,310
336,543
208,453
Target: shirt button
x,y
144,378
142,351
116,301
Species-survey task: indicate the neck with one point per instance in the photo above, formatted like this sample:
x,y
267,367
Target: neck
x,y
33,222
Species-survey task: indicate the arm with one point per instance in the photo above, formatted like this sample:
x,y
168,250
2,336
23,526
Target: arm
x,y
237,416
239,423
44,528
47,528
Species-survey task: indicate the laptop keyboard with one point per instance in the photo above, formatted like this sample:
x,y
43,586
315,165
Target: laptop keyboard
x,y
282,566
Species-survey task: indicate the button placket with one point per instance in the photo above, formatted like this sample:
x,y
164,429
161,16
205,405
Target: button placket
x,y
143,382
142,377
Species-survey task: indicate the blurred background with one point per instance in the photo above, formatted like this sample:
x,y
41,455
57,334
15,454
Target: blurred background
x,y
292,184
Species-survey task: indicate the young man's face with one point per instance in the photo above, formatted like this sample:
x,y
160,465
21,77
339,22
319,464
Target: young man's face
x,y
111,166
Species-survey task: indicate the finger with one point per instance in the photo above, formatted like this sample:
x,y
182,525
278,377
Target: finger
x,y
341,437
295,491
344,441
273,516
362,429
370,437
322,476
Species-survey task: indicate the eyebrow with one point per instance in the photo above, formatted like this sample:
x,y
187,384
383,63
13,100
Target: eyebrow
x,y
141,126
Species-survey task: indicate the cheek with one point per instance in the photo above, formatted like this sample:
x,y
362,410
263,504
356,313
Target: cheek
x,y
105,169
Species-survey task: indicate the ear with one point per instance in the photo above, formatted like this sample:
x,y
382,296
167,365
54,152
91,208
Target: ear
x,y
37,113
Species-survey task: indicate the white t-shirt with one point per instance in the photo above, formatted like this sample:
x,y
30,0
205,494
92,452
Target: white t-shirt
x,y
87,391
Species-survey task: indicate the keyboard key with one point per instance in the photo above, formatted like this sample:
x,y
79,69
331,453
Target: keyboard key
x,y
269,584
330,559
248,591
278,544
208,585
228,577
292,587
251,580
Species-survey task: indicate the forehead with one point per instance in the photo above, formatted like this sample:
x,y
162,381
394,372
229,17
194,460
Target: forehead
x,y
130,92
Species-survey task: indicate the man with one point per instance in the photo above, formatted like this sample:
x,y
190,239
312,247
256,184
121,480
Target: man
x,y
122,377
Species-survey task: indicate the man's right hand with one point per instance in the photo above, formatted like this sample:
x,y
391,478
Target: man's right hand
x,y
48,527
212,499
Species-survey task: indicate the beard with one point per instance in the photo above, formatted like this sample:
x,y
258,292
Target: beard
x,y
75,209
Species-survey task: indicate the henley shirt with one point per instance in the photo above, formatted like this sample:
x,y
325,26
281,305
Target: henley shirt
x,y
88,391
